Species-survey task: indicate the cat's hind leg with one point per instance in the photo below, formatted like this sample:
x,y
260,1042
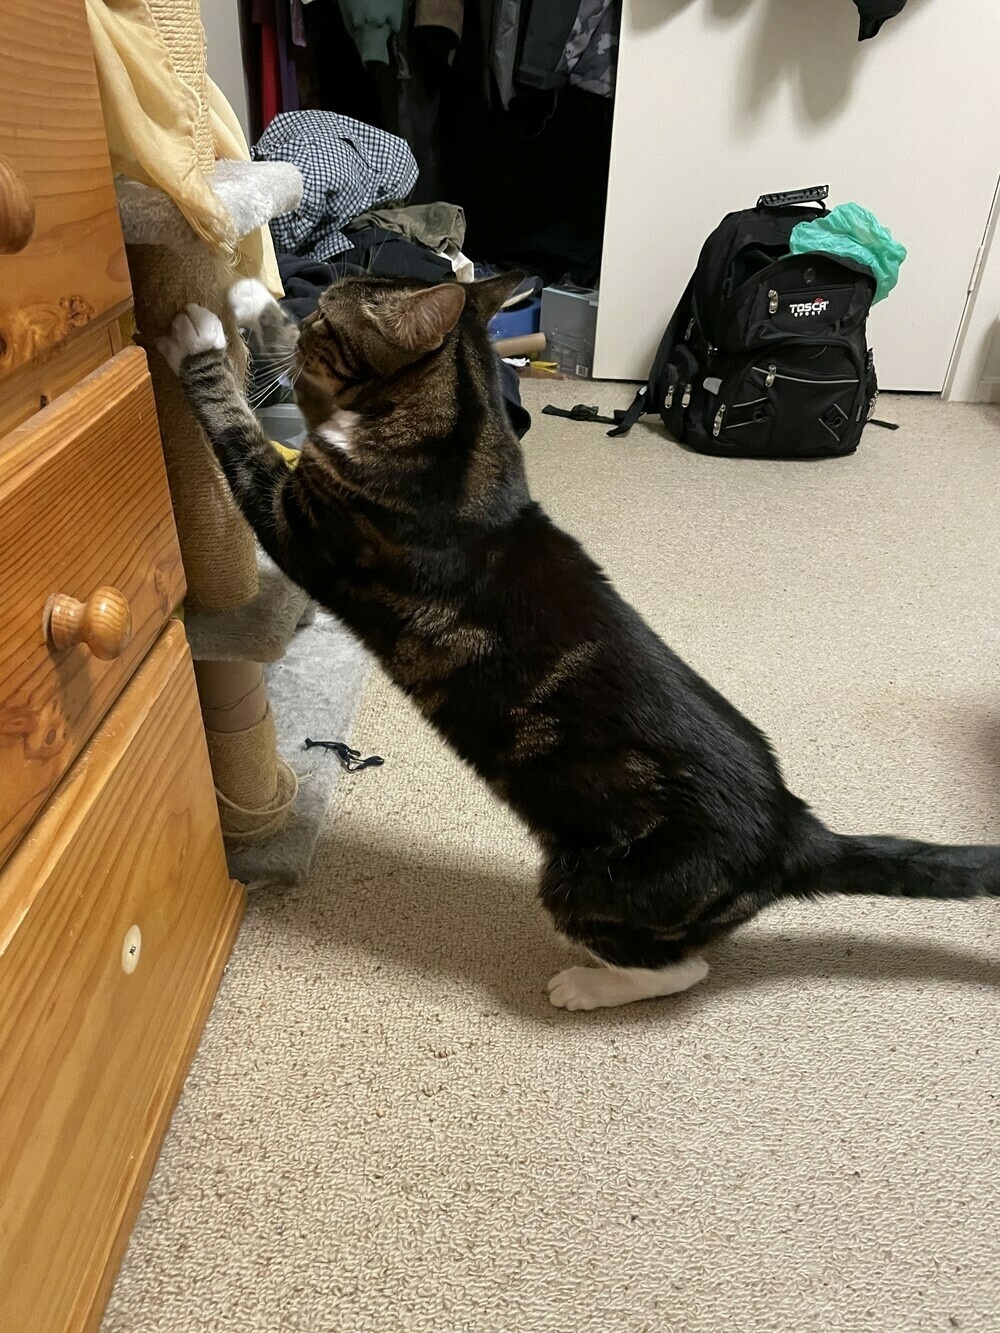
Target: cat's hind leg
x,y
642,928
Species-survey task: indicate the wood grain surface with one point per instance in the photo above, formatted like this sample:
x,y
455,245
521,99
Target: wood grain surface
x,y
72,270
116,918
83,504
38,383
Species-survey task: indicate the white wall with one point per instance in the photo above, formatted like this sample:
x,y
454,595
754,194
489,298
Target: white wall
x,y
225,57
721,100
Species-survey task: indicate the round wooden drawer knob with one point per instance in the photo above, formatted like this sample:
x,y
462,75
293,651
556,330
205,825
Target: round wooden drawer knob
x,y
17,210
103,623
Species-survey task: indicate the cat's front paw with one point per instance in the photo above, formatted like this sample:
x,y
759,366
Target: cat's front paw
x,y
248,300
194,330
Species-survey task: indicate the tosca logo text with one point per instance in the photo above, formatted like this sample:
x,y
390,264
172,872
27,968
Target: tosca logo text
x,y
802,309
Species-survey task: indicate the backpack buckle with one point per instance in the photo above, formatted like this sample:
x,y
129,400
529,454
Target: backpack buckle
x,y
834,418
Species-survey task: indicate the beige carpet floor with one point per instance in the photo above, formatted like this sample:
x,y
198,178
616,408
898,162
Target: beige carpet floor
x,y
387,1127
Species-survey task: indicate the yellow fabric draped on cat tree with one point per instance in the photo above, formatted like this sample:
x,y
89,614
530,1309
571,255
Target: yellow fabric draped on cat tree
x,y
157,131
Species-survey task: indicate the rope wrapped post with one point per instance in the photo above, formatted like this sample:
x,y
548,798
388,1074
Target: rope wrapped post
x,y
220,556
261,787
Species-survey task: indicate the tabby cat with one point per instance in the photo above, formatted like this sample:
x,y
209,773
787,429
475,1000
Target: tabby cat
x,y
661,812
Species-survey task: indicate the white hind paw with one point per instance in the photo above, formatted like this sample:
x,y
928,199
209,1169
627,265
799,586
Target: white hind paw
x,y
194,330
607,987
248,299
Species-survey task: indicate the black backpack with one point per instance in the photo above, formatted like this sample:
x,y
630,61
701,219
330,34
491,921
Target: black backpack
x,y
766,355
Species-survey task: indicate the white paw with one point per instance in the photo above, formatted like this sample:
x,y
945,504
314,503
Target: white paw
x,y
195,329
575,989
605,987
248,299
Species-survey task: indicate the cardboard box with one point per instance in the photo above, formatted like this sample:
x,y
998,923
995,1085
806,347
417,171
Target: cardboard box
x,y
569,322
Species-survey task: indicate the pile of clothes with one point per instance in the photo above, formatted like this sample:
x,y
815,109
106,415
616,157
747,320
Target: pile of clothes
x,y
355,178
353,219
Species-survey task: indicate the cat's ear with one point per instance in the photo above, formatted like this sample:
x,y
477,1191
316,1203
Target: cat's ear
x,y
420,321
488,295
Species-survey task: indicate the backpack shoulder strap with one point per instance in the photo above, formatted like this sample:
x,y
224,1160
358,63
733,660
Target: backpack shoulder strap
x,y
627,419
638,406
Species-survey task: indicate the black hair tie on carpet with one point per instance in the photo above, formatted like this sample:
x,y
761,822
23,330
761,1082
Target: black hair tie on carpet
x,y
351,759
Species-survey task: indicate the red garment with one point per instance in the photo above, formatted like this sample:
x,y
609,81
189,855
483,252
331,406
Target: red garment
x,y
270,75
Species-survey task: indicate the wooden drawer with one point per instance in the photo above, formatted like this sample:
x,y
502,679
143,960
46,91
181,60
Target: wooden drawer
x,y
65,268
83,504
92,1056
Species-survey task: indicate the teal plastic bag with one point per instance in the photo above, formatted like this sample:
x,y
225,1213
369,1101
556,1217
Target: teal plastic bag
x,y
851,232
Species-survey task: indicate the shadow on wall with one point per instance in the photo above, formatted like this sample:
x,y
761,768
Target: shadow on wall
x,y
810,47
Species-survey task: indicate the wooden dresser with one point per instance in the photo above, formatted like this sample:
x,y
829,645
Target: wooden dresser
x,y
116,911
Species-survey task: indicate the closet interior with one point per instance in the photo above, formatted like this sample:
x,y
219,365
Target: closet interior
x,y
506,107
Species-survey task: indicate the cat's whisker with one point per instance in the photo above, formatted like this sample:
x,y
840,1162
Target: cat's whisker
x,y
271,378
262,391
271,353
274,373
283,362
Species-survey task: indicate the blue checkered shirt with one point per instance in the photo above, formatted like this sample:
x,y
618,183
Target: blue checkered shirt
x,y
347,167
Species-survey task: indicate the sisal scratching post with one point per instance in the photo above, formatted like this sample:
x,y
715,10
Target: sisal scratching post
x,y
219,551
241,738
172,266
259,794
179,22
220,556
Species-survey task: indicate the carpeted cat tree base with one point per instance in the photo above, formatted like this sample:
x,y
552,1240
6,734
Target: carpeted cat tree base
x,y
260,630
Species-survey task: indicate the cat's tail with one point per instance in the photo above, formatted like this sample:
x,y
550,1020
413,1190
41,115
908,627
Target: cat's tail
x,y
900,868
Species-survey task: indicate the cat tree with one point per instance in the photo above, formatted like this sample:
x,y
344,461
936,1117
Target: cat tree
x,y
194,213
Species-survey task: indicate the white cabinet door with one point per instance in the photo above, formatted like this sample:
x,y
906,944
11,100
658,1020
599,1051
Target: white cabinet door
x,y
720,101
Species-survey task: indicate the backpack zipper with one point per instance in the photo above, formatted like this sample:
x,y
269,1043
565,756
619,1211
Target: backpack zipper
x,y
772,302
772,373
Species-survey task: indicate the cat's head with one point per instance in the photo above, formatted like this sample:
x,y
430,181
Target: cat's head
x,y
366,331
